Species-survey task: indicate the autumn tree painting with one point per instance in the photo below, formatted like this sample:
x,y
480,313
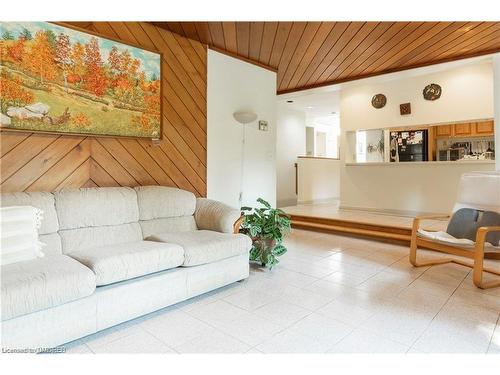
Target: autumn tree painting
x,y
57,79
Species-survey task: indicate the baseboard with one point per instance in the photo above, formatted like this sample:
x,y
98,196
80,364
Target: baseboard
x,y
320,201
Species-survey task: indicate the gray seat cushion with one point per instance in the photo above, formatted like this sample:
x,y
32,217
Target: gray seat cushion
x,y
120,262
43,283
204,246
465,222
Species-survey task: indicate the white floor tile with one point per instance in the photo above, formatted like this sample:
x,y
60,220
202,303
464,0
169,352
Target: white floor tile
x,y
363,341
249,299
325,330
217,313
138,342
175,328
458,336
399,324
347,312
282,313
303,298
250,329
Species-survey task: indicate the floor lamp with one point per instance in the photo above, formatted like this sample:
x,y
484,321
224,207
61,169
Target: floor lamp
x,y
243,117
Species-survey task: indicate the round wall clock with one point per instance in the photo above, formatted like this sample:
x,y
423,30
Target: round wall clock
x,y
379,101
432,91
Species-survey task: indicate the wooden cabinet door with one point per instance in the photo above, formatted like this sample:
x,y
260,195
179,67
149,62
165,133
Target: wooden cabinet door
x,y
443,131
485,128
463,129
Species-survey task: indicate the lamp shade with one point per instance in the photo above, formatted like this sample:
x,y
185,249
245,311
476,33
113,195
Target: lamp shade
x,y
245,117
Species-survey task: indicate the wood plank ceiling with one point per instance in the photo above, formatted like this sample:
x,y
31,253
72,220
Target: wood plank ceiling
x,y
311,54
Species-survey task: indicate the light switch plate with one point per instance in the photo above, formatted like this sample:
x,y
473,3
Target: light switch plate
x,y
263,125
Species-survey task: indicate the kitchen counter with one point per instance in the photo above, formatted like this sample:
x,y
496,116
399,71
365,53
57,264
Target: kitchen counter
x,y
416,163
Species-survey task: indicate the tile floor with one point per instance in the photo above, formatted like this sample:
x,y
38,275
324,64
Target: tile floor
x,y
329,294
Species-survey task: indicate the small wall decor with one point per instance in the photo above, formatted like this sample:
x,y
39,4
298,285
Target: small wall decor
x,y
58,79
379,101
405,109
432,91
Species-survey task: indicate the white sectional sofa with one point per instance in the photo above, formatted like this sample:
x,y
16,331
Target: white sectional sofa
x,y
113,254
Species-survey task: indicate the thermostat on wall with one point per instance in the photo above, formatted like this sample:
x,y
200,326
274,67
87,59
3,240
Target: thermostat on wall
x,y
263,125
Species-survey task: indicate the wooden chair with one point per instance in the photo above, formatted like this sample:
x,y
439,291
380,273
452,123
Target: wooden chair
x,y
479,191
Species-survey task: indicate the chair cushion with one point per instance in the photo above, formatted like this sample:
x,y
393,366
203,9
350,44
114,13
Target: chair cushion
x,y
120,262
448,239
465,222
43,283
204,246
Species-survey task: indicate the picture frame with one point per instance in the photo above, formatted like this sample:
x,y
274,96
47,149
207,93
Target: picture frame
x,y
126,103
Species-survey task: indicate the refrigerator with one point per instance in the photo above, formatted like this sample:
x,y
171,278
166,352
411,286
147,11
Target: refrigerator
x,y
411,145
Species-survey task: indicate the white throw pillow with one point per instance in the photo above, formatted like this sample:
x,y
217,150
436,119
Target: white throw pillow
x,y
19,234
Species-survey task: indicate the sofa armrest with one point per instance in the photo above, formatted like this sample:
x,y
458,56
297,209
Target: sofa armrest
x,y
216,216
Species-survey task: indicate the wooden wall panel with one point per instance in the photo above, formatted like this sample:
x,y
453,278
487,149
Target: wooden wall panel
x,y
43,162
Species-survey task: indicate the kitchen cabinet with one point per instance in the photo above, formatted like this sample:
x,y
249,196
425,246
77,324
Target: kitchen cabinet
x,y
462,129
466,129
444,130
484,128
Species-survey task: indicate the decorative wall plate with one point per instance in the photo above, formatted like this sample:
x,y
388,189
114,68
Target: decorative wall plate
x,y
379,101
432,91
405,109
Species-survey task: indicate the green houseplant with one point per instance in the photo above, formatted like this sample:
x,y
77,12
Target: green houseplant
x,y
266,226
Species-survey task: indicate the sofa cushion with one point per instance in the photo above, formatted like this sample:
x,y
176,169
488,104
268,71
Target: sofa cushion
x,y
204,246
88,238
168,225
161,201
94,207
125,261
43,283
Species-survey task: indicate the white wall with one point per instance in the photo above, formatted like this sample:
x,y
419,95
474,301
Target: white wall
x,y
467,95
412,187
235,85
290,143
405,187
319,179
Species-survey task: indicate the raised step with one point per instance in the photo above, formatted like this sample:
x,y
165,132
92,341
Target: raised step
x,y
364,229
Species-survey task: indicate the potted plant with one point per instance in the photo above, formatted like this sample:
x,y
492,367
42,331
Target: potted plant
x,y
266,226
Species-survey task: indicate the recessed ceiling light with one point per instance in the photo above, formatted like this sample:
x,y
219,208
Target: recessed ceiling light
x,y
289,101
310,107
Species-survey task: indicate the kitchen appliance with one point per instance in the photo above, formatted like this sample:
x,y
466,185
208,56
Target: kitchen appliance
x,y
412,145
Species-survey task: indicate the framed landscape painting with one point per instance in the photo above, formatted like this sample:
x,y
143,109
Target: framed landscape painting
x,y
59,79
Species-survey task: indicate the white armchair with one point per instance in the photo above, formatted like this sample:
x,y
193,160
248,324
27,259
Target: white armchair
x,y
479,191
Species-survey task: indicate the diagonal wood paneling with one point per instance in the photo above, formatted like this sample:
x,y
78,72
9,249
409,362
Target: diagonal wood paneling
x,y
44,162
311,54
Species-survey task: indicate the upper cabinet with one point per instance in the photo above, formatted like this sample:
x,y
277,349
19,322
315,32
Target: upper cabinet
x,y
444,131
468,129
485,128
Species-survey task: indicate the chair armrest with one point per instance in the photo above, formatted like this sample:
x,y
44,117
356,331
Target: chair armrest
x,y
418,219
482,232
217,216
